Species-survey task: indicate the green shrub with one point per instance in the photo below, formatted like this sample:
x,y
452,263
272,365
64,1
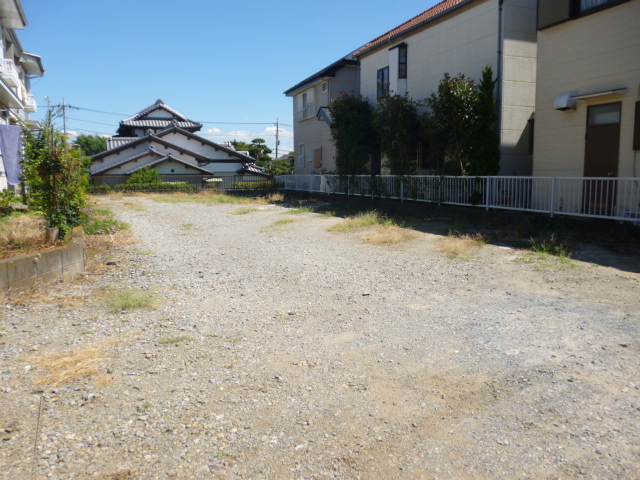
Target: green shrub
x,y
261,186
145,176
7,199
100,222
155,187
99,189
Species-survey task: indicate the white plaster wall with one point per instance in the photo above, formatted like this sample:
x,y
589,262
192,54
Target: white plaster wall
x,y
197,147
118,157
595,52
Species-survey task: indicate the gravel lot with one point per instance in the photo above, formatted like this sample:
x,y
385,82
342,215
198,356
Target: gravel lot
x,y
292,352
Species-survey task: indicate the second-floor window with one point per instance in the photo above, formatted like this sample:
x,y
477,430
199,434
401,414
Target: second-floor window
x,y
402,61
305,105
382,85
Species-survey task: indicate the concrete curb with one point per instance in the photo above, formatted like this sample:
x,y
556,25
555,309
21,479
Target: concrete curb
x,y
23,272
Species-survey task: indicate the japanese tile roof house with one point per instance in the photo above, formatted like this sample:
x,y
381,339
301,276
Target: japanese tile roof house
x,y
160,137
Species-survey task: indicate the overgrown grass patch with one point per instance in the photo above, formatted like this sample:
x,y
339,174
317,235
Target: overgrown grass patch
x,y
457,245
283,221
361,221
209,198
389,235
129,299
299,210
21,232
101,221
244,210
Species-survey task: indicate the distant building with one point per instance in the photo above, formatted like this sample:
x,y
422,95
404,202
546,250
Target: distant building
x,y
164,139
17,68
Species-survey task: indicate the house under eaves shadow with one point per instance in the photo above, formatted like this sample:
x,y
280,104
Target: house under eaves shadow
x,y
162,138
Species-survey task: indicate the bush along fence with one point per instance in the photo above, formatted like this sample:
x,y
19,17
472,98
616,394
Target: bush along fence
x,y
612,198
103,184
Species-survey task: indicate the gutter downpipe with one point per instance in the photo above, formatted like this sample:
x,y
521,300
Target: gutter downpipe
x,y
500,72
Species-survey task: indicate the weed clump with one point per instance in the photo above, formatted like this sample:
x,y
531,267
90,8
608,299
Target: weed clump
x,y
128,299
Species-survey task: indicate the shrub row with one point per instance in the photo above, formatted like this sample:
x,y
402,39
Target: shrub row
x,y
263,186
144,187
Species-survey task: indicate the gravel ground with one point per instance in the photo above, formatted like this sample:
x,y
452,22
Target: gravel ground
x,y
291,352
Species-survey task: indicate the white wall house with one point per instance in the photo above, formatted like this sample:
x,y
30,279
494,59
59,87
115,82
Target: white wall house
x,y
463,36
17,68
164,139
314,148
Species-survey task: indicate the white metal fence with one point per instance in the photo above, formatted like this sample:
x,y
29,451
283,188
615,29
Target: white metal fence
x,y
613,198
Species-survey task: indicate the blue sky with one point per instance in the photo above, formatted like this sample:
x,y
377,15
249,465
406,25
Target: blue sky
x,y
223,63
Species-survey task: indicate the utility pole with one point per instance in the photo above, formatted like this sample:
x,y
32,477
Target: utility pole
x,y
64,124
277,137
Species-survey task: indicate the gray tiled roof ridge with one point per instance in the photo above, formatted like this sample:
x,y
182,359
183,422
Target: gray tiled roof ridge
x,y
158,104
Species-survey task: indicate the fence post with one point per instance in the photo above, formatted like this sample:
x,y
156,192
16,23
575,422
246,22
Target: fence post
x,y
402,188
553,195
488,179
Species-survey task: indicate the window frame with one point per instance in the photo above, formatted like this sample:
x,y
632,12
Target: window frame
x,y
403,53
382,87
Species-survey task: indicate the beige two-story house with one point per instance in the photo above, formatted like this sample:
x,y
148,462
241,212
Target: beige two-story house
x,y
587,119
314,148
463,36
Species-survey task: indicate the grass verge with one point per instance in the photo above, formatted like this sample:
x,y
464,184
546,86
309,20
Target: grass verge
x,y
129,299
455,245
361,221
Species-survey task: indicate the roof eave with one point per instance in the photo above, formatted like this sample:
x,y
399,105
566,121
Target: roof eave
x,y
329,71
359,54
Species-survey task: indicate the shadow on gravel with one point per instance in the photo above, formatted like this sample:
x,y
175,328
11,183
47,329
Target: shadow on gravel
x,y
602,242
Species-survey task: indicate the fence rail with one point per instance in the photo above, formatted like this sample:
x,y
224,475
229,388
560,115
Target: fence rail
x,y
612,198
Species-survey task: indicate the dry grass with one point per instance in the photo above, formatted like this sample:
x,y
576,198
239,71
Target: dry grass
x,y
244,210
389,235
460,245
20,233
70,366
283,221
361,221
135,205
202,197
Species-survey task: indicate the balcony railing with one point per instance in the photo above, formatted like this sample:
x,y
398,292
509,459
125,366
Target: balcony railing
x,y
31,104
9,72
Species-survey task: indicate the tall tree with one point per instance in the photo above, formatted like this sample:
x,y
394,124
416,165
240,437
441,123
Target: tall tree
x,y
352,133
398,126
461,125
90,144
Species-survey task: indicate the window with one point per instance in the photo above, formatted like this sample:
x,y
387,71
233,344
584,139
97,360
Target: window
x,y
301,155
402,61
324,86
382,82
553,12
305,105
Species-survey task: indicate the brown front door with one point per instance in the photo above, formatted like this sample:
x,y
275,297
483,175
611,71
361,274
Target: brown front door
x,y
602,145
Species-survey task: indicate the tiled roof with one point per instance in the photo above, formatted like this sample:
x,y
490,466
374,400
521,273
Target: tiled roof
x,y
142,120
159,123
425,17
125,160
168,158
114,142
254,169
